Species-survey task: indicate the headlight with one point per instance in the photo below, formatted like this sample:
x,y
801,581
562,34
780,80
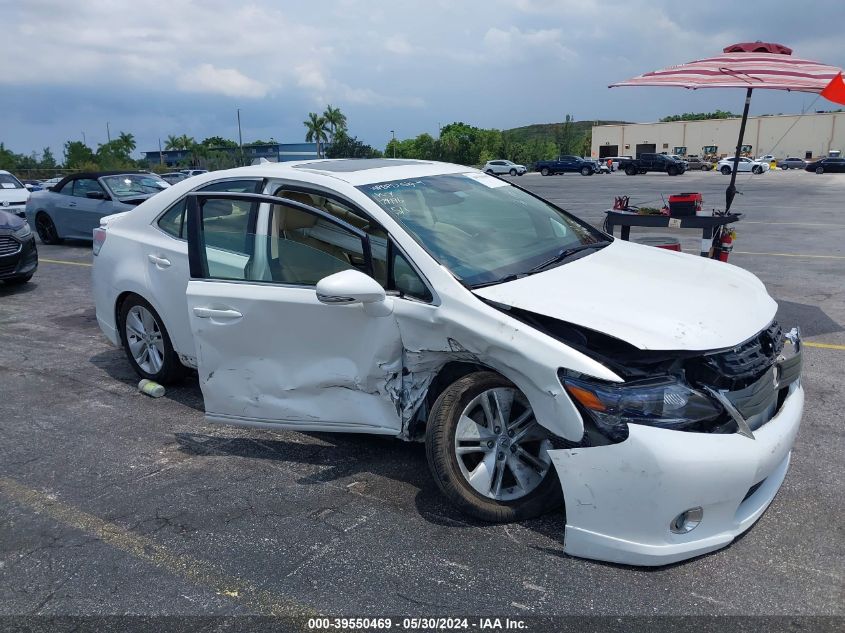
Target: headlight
x,y
663,402
23,232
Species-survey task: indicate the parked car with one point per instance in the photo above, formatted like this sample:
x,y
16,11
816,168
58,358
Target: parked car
x,y
653,162
32,185
792,163
174,177
18,254
767,158
565,164
431,301
504,167
13,194
190,173
827,165
73,207
680,158
695,162
745,165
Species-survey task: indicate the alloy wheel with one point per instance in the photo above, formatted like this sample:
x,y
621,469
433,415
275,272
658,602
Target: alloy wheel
x,y
501,450
144,338
45,228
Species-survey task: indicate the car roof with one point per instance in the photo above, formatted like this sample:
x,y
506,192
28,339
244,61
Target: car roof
x,y
99,174
358,171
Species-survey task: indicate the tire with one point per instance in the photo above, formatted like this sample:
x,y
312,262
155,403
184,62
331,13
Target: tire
x,y
586,171
630,171
506,498
163,365
705,168
18,281
757,170
672,171
819,170
726,170
46,229
544,171
490,171
512,172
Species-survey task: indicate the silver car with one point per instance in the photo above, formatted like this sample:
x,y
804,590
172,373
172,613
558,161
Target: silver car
x,y
74,206
792,163
504,167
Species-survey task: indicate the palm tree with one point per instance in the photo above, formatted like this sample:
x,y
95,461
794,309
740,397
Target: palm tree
x,y
172,142
127,139
317,129
186,142
335,119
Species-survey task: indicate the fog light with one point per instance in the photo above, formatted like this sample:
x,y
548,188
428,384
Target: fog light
x,y
686,521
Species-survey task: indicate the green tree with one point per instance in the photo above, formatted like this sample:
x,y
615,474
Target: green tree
x,y
127,140
48,161
698,116
77,153
345,146
316,130
7,158
335,119
217,141
172,142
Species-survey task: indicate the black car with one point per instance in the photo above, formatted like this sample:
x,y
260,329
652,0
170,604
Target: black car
x,y
18,255
827,165
564,164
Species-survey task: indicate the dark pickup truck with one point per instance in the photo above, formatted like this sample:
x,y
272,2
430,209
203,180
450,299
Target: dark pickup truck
x,y
652,162
565,164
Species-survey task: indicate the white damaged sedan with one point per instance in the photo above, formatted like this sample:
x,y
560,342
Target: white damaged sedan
x,y
539,359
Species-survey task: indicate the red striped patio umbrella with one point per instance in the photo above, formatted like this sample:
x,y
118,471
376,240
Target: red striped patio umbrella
x,y
751,66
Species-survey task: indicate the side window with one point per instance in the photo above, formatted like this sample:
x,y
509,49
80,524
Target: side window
x,y
229,245
66,190
406,279
82,186
172,221
378,236
303,248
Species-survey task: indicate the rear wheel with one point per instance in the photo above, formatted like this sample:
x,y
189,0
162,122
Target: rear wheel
x,y
146,342
630,171
726,170
487,452
490,171
46,229
544,171
705,168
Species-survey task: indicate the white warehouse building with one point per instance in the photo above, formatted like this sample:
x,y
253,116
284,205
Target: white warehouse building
x,y
805,136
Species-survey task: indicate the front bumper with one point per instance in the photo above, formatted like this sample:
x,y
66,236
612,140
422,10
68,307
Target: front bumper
x,y
621,498
21,263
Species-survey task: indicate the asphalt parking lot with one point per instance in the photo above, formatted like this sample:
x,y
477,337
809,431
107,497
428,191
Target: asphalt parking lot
x,y
113,502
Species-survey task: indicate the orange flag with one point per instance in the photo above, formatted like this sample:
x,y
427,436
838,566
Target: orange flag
x,y
835,90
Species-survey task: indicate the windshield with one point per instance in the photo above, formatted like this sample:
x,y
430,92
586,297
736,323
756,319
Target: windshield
x,y
128,185
8,181
481,228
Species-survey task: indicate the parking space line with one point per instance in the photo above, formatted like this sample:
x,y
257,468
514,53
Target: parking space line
x,y
822,345
791,255
197,571
63,261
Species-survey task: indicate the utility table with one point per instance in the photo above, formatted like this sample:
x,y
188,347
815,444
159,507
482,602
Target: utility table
x,y
704,222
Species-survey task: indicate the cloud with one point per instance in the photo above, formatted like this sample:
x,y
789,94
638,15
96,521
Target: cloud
x,y
399,45
514,44
225,81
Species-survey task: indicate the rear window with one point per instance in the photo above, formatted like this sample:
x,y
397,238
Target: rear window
x,y
8,181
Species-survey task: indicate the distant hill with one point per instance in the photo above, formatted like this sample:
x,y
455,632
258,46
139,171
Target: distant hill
x,y
551,131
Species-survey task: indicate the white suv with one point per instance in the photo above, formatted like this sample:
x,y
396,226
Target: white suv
x,y
503,167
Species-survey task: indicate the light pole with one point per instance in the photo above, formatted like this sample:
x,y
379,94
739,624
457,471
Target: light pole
x,y
240,137
393,143
108,132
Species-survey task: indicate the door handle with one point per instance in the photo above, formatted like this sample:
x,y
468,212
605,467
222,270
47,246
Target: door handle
x,y
211,313
161,262
71,204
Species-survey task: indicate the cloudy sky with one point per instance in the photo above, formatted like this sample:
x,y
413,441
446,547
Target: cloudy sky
x,y
163,67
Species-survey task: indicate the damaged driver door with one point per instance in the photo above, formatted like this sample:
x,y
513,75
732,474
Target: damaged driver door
x,y
270,351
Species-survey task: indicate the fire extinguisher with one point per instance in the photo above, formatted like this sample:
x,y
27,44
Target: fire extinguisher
x,y
726,245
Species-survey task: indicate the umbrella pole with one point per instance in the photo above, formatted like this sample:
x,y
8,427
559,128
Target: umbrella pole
x,y
731,191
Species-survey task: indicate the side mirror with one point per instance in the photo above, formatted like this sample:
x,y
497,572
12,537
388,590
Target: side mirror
x,y
96,195
349,287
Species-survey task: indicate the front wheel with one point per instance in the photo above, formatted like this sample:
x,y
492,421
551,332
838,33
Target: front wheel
x,y
18,281
757,170
512,172
705,168
819,170
146,342
544,171
726,170
46,229
586,171
672,171
487,452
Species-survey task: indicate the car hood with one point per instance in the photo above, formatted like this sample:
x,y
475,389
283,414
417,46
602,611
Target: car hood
x,y
10,221
14,195
649,297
